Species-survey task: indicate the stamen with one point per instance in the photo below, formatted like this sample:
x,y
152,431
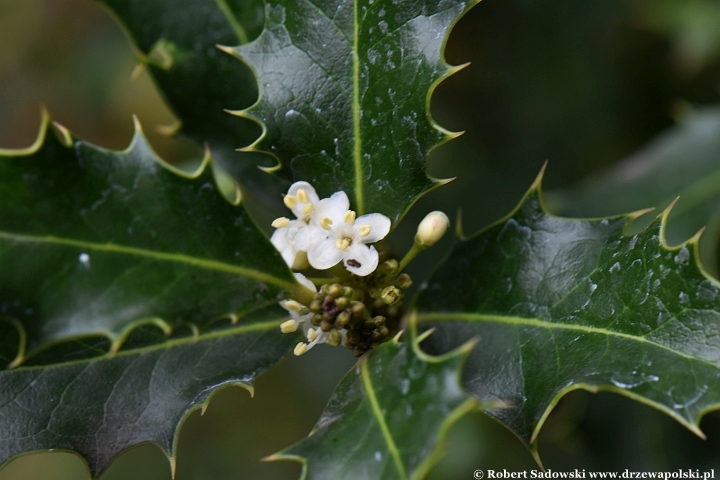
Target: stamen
x,y
312,334
338,244
307,209
365,230
325,222
302,196
290,201
280,222
344,244
289,326
300,348
349,217
293,305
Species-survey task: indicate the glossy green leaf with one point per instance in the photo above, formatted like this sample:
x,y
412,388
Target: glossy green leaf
x,y
100,407
129,292
388,416
95,243
561,304
176,40
683,161
344,94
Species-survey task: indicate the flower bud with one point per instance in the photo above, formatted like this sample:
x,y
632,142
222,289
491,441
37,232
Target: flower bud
x,y
391,295
432,229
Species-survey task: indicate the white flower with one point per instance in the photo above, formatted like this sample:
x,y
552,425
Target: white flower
x,y
284,240
299,314
302,200
335,234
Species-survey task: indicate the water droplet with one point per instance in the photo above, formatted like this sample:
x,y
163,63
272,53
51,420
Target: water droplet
x,y
615,267
383,26
378,456
373,56
381,13
84,258
683,256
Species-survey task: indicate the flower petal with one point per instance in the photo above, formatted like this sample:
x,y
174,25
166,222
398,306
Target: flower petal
x,y
361,259
284,245
379,227
312,194
334,208
323,255
304,281
308,236
313,199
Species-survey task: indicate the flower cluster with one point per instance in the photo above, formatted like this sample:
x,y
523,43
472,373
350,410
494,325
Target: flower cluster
x,y
326,232
360,306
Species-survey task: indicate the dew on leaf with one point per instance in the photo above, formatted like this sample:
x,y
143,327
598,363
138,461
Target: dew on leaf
x,y
383,25
683,256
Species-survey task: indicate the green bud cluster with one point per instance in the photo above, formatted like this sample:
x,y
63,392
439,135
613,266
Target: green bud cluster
x,y
369,311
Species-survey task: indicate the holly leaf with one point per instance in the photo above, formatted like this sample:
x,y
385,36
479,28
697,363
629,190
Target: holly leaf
x,y
95,243
129,292
562,304
99,407
368,428
684,161
198,81
344,94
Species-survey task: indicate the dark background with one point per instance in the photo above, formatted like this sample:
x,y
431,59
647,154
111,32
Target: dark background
x,y
580,84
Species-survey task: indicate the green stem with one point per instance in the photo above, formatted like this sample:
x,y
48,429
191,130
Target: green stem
x,y
412,253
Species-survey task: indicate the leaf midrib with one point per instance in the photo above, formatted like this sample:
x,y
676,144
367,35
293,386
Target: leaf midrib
x,y
228,332
377,412
155,255
357,147
531,322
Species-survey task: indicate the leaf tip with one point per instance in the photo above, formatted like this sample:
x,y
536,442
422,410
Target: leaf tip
x,y
459,225
170,129
536,454
639,213
62,134
228,50
173,466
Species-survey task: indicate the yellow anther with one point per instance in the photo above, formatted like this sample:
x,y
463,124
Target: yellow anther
x,y
289,326
325,222
342,244
300,348
349,217
312,334
293,305
302,196
290,201
307,209
281,222
365,230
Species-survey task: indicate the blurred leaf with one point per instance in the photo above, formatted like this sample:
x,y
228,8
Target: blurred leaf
x,y
561,304
683,161
95,243
369,431
345,89
176,40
